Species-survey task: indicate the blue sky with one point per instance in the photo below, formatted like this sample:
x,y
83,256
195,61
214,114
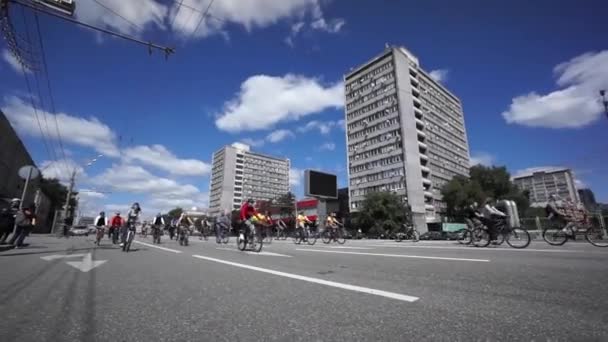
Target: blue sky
x,y
269,73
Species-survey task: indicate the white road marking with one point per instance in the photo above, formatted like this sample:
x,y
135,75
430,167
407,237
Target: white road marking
x,y
61,256
355,288
347,247
85,265
158,247
254,253
472,248
392,255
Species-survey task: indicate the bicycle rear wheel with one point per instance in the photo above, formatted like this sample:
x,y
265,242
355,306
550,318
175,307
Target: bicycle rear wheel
x,y
241,244
340,237
465,236
297,237
326,237
481,237
257,242
597,236
312,238
554,236
518,238
225,237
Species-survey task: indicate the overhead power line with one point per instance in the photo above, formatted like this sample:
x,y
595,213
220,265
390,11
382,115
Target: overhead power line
x,y
179,6
50,91
118,14
203,16
150,45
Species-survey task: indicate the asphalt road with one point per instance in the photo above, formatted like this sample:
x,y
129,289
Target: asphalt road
x,y
361,291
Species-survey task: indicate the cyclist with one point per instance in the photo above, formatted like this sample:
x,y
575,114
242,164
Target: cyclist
x,y
556,214
183,224
100,222
301,222
222,225
132,217
332,222
115,224
247,216
491,215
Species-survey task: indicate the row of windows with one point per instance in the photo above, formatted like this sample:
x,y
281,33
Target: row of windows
x,y
448,153
380,81
448,163
387,101
452,103
369,142
380,126
396,172
445,117
440,170
373,117
380,162
372,96
378,188
381,68
376,151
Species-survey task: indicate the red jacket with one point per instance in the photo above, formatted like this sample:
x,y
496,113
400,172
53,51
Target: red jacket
x,y
247,211
117,221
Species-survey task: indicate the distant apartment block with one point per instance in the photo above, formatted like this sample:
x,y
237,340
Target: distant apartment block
x,y
587,197
239,174
541,183
405,133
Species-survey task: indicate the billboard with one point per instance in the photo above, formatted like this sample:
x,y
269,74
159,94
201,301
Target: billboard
x,y
320,184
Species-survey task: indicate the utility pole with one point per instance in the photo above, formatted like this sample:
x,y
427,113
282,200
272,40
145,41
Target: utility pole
x,y
70,190
604,101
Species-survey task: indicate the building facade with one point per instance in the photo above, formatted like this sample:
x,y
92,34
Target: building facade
x,y
239,174
541,183
587,197
405,133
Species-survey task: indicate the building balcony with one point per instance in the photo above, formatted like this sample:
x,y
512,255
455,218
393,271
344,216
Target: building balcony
x,y
422,145
429,207
426,181
424,157
418,112
425,169
419,123
421,133
428,194
413,80
417,100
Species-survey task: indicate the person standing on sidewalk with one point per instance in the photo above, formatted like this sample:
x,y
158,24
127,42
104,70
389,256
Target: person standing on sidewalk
x,y
25,221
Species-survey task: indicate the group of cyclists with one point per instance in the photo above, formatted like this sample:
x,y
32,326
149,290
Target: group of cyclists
x,y
250,220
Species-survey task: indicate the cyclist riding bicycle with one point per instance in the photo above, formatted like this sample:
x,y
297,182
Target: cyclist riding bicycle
x,y
555,213
248,215
301,221
222,225
115,223
132,217
101,221
490,217
183,224
332,222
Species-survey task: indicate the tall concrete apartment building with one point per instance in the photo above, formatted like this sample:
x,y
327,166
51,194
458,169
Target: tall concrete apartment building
x,y
543,182
239,174
405,133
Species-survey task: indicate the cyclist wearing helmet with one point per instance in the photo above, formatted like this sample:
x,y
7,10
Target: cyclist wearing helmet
x,y
115,223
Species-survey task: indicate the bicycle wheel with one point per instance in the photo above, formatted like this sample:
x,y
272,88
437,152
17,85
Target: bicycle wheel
x,y
297,237
415,236
225,238
481,237
312,238
597,236
518,238
241,244
340,239
326,237
554,236
500,238
465,236
258,242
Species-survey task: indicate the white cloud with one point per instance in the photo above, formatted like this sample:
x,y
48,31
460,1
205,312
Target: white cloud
x,y
91,194
342,124
333,26
248,14
295,176
482,158
279,135
80,131
439,75
328,146
580,184
574,105
323,127
61,170
267,100
144,13
13,62
163,159
253,142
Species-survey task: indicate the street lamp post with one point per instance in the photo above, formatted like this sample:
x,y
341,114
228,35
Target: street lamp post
x,y
73,182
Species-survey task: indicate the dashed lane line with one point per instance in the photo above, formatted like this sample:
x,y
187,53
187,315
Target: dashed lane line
x,y
392,255
157,247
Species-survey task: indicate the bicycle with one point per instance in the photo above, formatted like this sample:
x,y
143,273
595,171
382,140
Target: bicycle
x,y
203,232
114,231
184,234
130,236
556,236
156,233
409,233
251,237
333,234
303,234
465,235
267,231
99,235
514,236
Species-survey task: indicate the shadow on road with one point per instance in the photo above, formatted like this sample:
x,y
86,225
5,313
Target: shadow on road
x,y
55,251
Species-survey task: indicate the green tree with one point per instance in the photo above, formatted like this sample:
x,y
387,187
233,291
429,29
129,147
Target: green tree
x,y
459,193
286,204
175,212
380,213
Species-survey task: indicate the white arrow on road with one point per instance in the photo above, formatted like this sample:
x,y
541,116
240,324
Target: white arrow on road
x,y
85,265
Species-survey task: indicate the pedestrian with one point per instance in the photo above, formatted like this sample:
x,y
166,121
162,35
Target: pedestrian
x,y
7,220
25,221
222,226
